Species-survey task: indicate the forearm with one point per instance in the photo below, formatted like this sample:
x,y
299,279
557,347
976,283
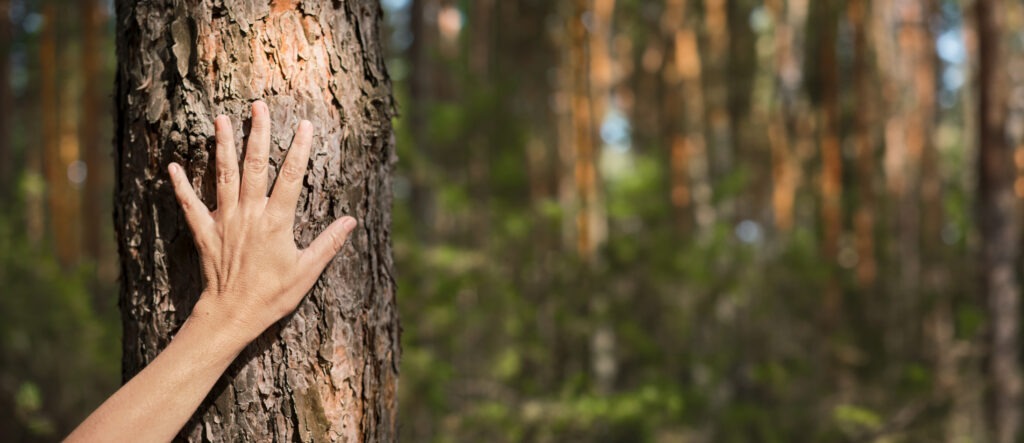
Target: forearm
x,y
155,404
255,275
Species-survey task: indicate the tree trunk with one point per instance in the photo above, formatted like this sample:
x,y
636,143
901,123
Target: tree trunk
x,y
689,163
6,102
329,371
864,142
789,18
590,228
715,75
94,201
998,225
831,156
61,198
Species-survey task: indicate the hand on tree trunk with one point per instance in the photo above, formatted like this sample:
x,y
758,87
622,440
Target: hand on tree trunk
x,y
255,275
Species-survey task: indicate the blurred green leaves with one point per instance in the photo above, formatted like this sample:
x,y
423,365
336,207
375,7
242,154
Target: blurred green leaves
x,y
59,341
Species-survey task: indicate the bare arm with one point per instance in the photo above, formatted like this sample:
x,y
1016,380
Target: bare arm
x,y
255,275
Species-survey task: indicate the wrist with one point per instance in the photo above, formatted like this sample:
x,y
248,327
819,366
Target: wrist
x,y
222,325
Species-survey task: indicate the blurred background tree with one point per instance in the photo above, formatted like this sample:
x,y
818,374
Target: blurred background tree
x,y
615,220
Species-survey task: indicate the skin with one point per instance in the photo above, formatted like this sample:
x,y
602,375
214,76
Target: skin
x,y
255,275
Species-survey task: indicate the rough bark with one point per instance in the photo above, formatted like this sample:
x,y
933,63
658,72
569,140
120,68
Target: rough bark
x,y
999,228
329,371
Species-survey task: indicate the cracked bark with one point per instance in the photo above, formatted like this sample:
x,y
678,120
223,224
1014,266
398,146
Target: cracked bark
x,y
329,371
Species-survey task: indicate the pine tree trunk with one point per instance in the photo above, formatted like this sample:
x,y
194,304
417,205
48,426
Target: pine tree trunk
x,y
61,198
329,371
6,102
783,124
95,203
864,141
831,157
998,225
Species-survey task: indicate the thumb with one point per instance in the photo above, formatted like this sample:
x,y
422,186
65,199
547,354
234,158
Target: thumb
x,y
328,243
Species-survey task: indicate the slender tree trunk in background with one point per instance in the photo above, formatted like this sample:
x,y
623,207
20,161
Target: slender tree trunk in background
x,y
998,224
60,196
783,125
750,148
961,364
422,72
94,202
480,48
48,123
588,235
716,93
602,69
895,102
917,82
590,229
533,62
673,102
864,146
693,149
646,107
329,371
831,156
603,341
932,214
6,102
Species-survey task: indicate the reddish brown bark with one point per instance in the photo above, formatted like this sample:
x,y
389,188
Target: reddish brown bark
x,y
61,198
95,215
328,372
864,139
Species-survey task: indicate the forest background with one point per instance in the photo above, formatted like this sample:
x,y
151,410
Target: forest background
x,y
614,220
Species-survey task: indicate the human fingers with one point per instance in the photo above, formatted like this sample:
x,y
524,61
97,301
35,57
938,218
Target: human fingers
x,y
257,153
196,214
289,181
323,249
227,165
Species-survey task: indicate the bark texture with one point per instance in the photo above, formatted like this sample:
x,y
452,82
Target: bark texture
x,y
329,371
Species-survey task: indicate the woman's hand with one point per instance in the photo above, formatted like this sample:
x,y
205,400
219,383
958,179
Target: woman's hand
x,y
255,274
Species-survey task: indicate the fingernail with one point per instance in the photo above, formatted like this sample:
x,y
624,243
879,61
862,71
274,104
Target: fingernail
x,y
349,223
172,168
305,125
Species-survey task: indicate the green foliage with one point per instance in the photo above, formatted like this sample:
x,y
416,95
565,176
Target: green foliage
x,y
59,354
